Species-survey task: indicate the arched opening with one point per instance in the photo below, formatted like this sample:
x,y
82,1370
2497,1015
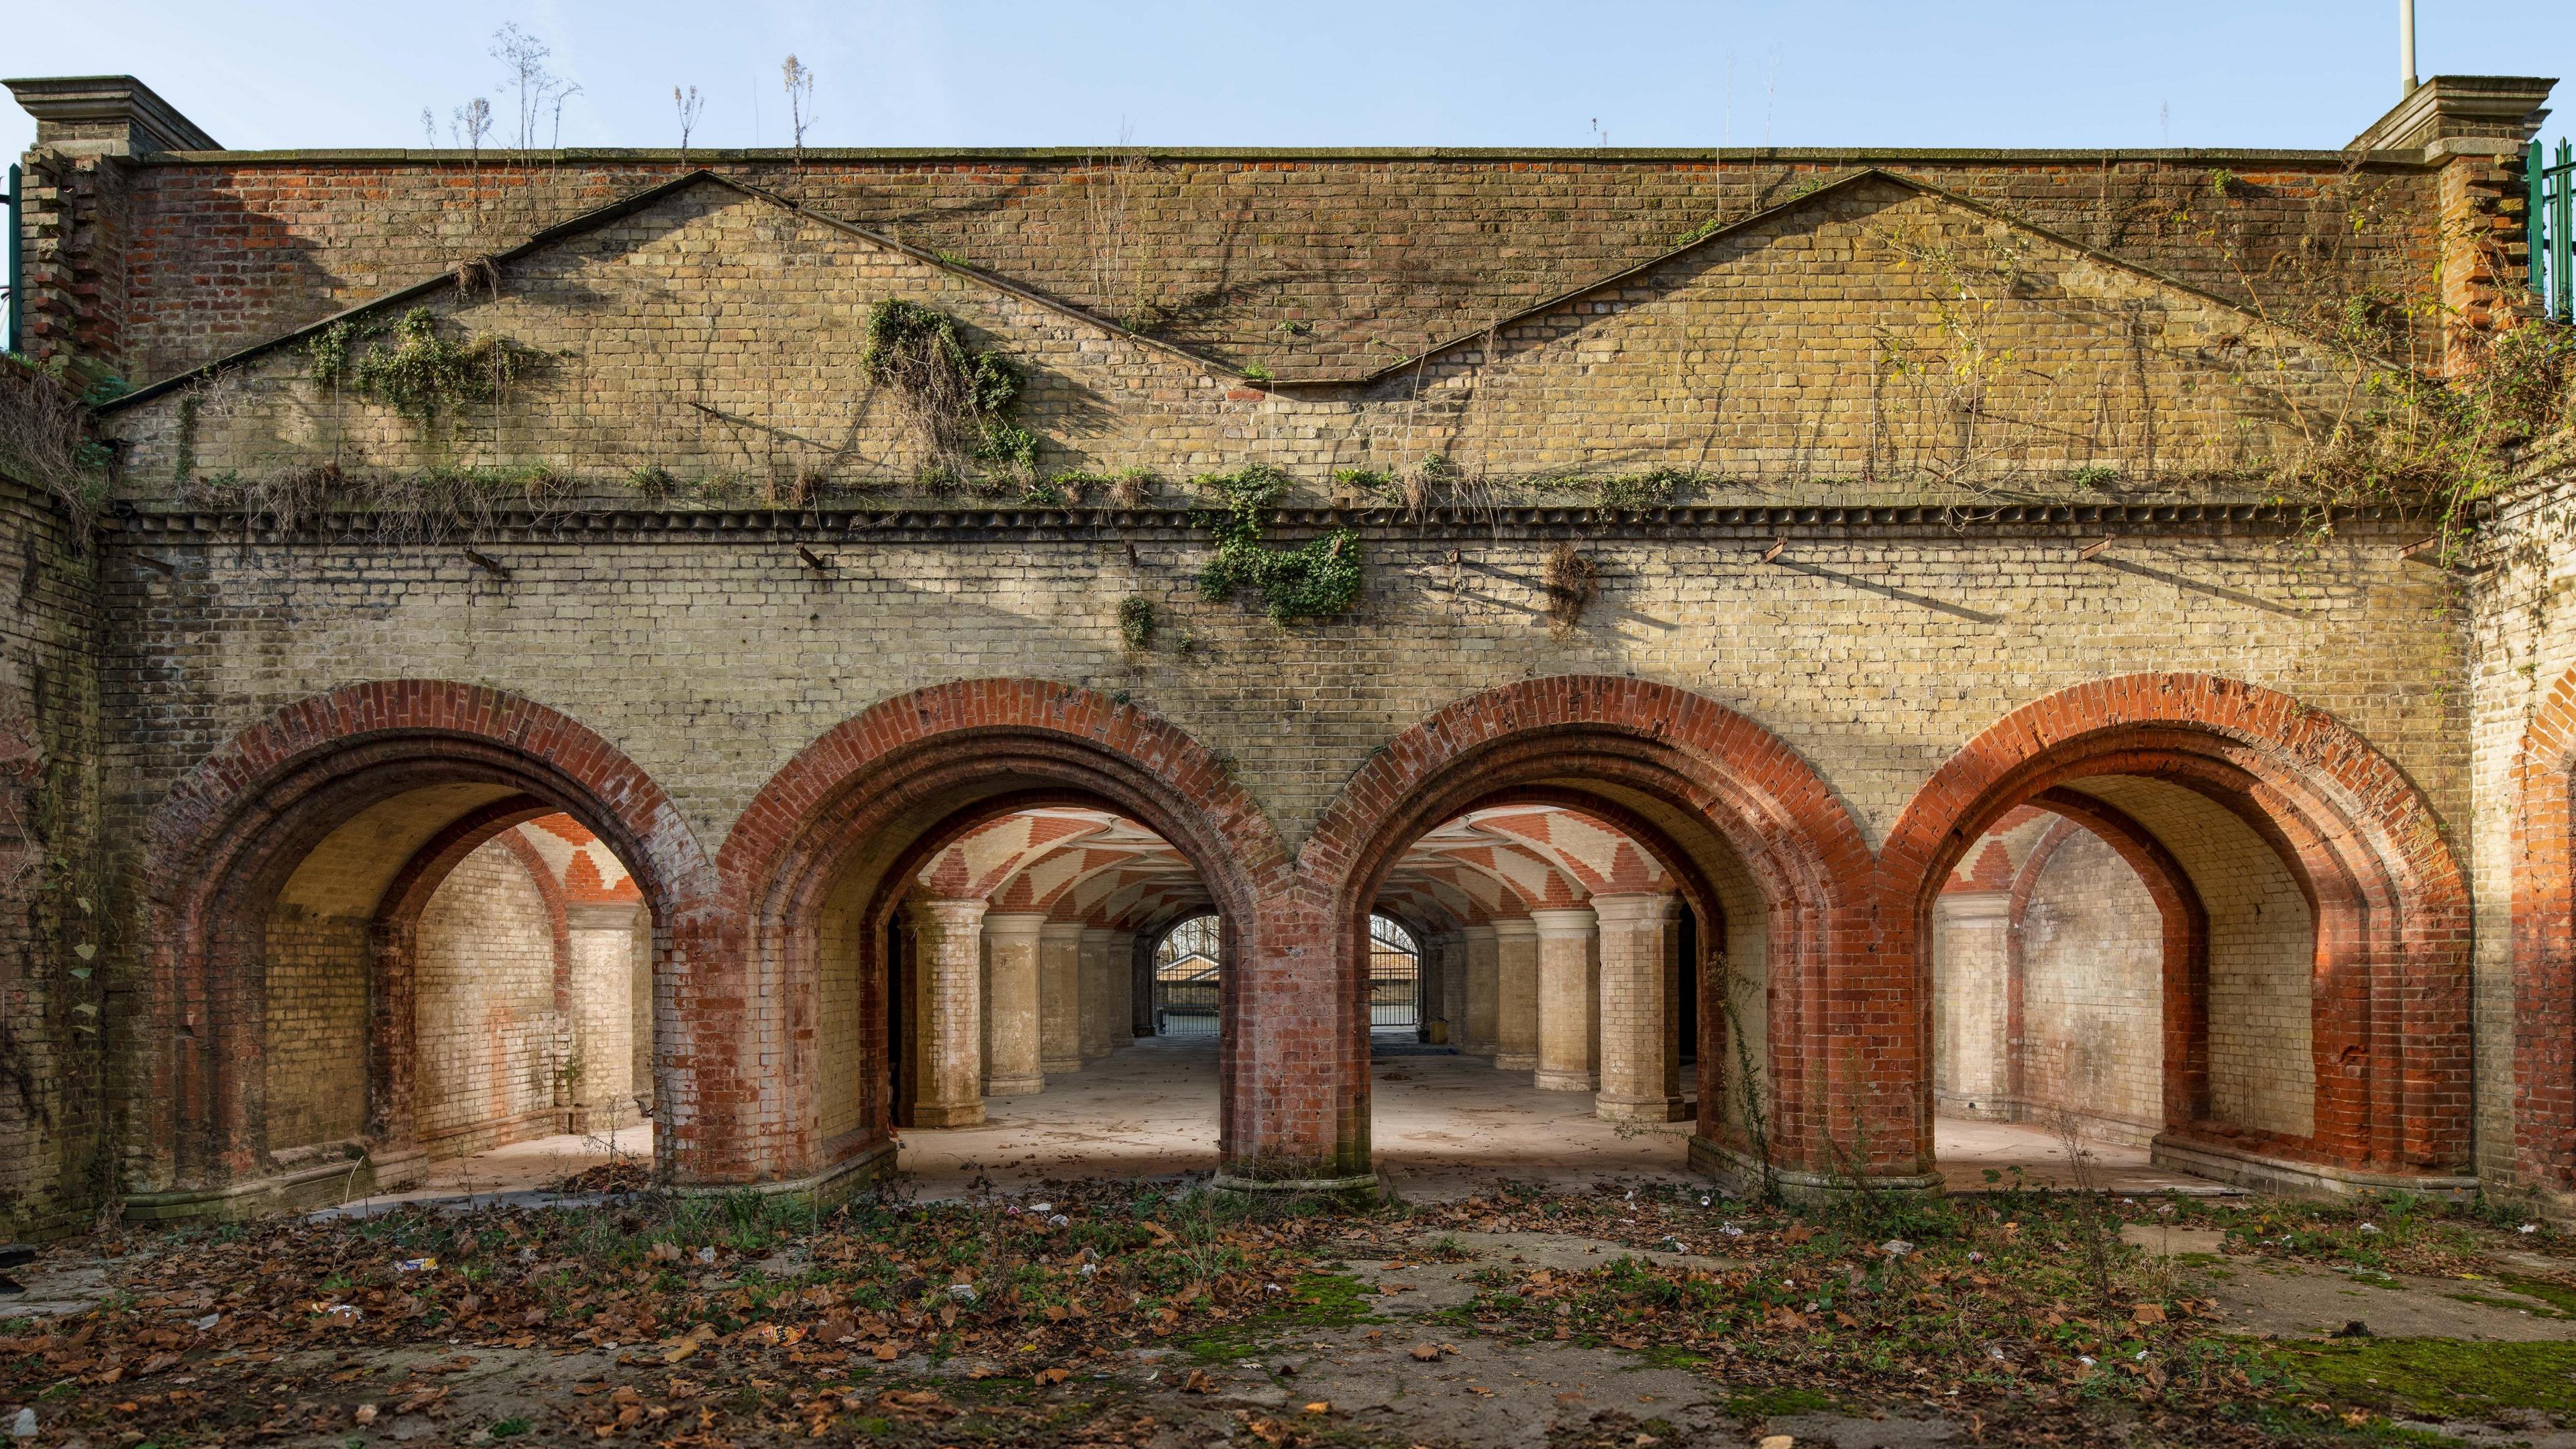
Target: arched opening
x,y
2296,996
1624,896
1188,979
383,928
1395,1005
961,890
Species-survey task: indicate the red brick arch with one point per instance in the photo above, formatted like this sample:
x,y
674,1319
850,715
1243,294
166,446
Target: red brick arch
x,y
2544,945
223,841
2391,1034
911,772
1682,774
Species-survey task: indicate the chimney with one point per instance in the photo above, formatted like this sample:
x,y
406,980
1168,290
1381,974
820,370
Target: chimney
x,y
105,115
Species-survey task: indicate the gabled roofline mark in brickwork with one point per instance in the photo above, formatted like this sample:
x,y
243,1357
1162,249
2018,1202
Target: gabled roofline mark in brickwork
x,y
1768,214
627,206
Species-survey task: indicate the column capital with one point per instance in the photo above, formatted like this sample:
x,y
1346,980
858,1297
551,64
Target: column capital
x,y
1515,928
1061,932
1014,925
1573,921
602,915
940,913
1973,905
1637,906
1478,935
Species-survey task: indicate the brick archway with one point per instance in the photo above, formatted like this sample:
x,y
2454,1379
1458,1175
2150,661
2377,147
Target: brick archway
x,y
227,836
2391,967
2544,945
1699,783
880,788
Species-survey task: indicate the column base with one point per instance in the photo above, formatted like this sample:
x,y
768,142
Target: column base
x,y
1640,1109
1014,1086
958,1114
1059,1066
1364,1188
1515,1061
1742,1175
2178,1152
1549,1081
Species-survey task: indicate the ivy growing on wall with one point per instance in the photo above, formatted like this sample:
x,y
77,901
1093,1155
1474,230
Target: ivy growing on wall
x,y
420,372
1316,578
957,400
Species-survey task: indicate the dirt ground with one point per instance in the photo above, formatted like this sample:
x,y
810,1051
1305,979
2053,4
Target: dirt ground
x,y
1628,1315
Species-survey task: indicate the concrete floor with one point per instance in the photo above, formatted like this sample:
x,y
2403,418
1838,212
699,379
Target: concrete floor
x,y
1444,1127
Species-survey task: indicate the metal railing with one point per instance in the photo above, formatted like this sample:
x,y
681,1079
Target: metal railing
x,y
2552,228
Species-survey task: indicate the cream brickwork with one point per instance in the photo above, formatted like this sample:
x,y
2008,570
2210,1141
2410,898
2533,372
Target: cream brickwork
x,y
488,1040
1516,995
1640,995
1060,997
2262,955
1569,1000
948,1013
316,1065
1012,1030
1971,1047
2523,641
2093,995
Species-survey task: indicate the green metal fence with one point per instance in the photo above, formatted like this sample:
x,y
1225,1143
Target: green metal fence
x,y
2553,228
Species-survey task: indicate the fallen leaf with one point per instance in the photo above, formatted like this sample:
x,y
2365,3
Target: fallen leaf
x,y
366,1414
1320,1406
2149,1313
1425,1353
1052,1376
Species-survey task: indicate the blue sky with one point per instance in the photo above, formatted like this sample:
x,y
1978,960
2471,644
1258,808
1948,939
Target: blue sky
x,y
1411,72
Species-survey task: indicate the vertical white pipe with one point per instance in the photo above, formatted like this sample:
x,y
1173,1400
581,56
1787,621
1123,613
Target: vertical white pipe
x,y
2405,48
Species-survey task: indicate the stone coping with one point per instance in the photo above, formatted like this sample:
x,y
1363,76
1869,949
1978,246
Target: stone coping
x,y
1765,522
1112,155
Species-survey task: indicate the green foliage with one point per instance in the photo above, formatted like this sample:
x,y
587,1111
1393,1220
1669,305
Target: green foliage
x,y
1136,622
1255,372
422,372
1651,489
2423,446
2094,475
1375,483
957,400
1317,578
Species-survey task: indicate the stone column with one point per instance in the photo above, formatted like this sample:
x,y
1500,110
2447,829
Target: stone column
x,y
1569,999
1453,985
1483,1012
948,1086
1096,966
1118,1015
1641,992
1515,996
603,1009
1012,1069
1060,997
1970,966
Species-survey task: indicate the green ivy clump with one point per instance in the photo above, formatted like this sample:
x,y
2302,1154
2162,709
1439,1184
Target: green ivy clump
x,y
1651,489
960,399
1316,578
1136,623
423,372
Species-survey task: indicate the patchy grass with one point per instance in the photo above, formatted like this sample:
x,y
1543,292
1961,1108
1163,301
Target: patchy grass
x,y
2437,1377
1756,1405
1316,1301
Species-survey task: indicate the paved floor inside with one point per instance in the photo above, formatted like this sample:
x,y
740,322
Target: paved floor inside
x,y
1444,1127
